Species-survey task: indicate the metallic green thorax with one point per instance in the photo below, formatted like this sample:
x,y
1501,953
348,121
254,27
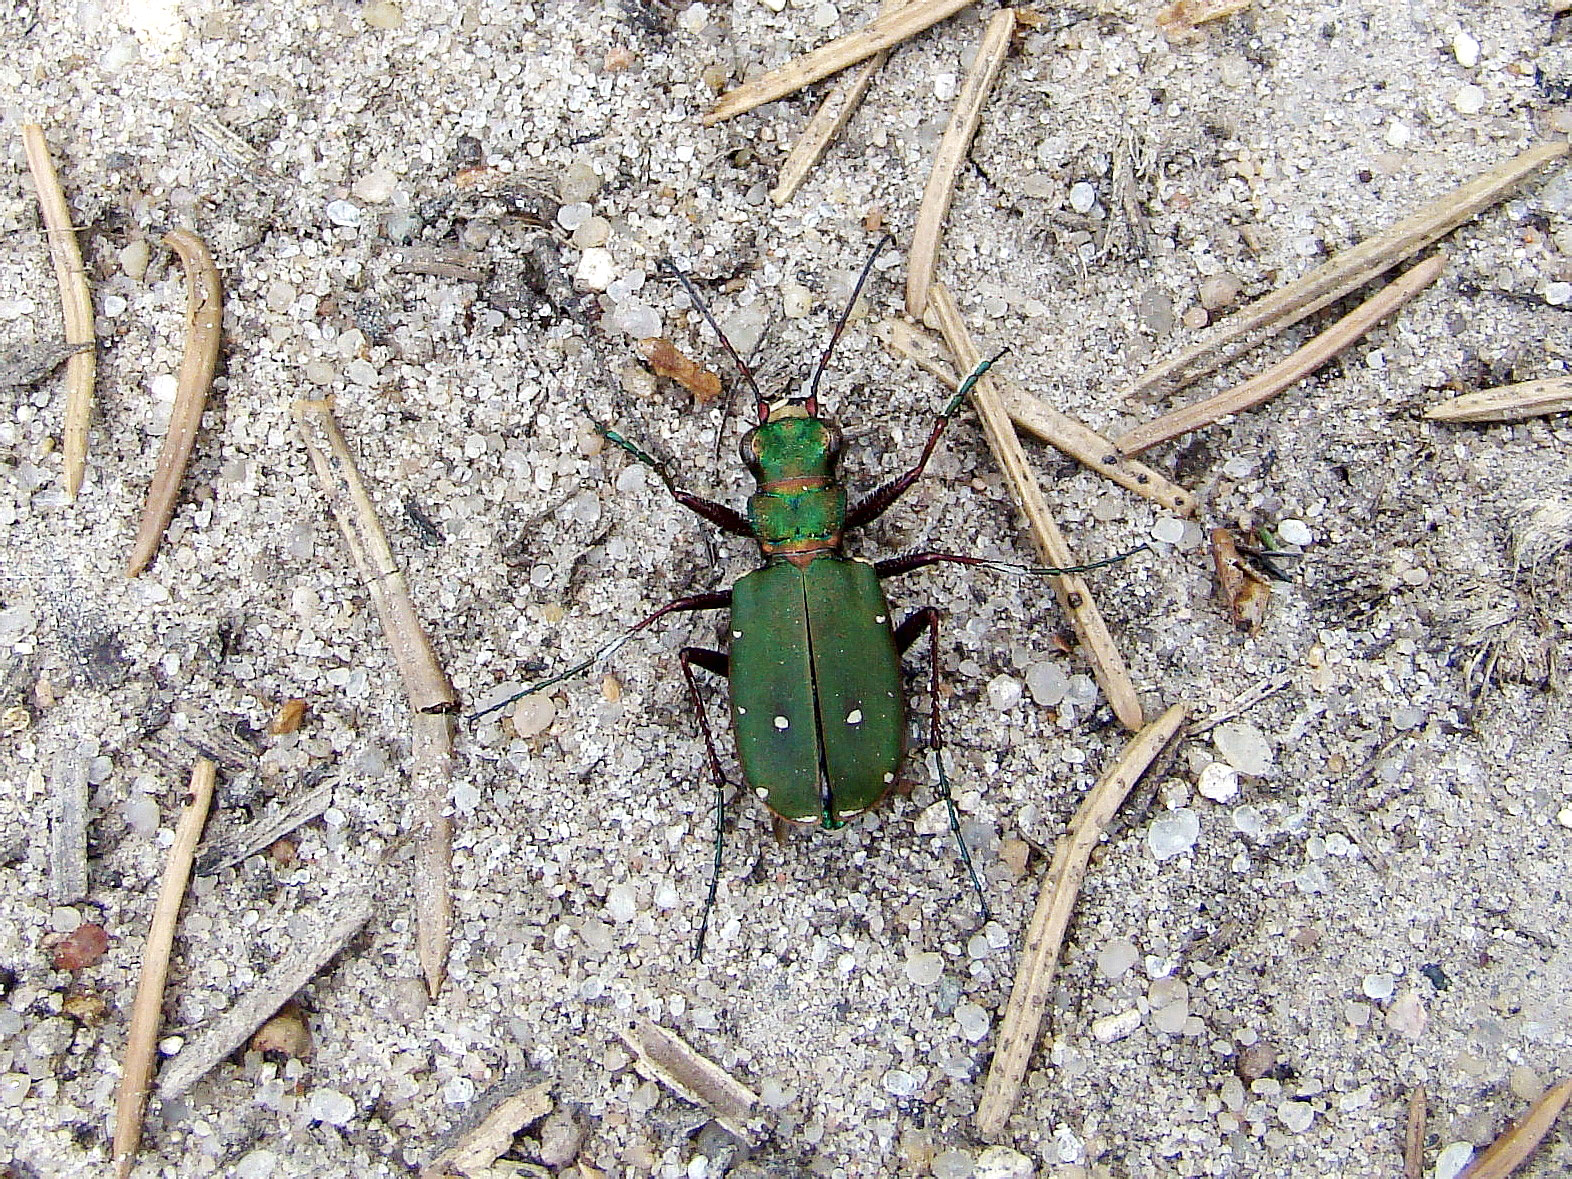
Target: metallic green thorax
x,y
815,677
798,507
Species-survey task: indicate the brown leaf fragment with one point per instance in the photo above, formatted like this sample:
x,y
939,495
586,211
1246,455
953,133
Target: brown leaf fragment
x,y
1519,1140
1414,1135
288,717
1246,591
84,946
664,358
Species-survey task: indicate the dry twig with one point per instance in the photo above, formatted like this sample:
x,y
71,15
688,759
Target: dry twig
x,y
204,330
1347,272
430,695
923,258
1074,595
68,825
1507,403
885,30
266,830
664,1057
76,306
1414,1135
1034,973
142,1037
1291,369
321,936
833,114
1042,421
475,1150
1519,1140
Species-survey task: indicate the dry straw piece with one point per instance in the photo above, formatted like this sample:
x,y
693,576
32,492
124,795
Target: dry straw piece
x,y
1042,421
142,1037
1519,1141
1414,1134
665,1057
1507,403
885,30
431,697
1039,961
827,121
204,331
923,258
76,305
1073,593
1347,272
1291,369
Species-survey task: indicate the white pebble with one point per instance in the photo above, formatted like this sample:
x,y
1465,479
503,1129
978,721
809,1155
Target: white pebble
x,y
570,217
825,15
330,1106
796,300
694,18
1294,532
1004,692
901,1083
1170,1020
934,820
1047,683
1398,133
1173,834
1003,1162
343,213
1407,1016
973,1021
1249,822
1452,1159
925,968
533,714
1115,1027
639,320
1469,100
1168,529
1082,197
596,270
1218,782
142,815
944,86
621,903
1296,1115
1244,747
1378,986
1116,957
1465,49
114,305
1557,294
375,188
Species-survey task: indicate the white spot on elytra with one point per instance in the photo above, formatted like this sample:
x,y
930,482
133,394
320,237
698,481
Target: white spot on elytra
x,y
850,814
782,723
761,791
741,711
880,618
889,778
854,717
736,634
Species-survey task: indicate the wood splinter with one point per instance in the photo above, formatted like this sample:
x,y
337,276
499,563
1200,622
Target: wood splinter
x,y
204,330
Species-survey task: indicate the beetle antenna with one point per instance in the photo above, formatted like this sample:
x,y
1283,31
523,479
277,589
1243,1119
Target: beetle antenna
x,y
704,309
840,326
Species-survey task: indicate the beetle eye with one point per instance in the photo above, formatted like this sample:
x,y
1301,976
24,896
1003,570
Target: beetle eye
x,y
832,441
749,447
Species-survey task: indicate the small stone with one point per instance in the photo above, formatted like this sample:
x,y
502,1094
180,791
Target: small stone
x,y
135,257
796,300
533,714
953,1164
1452,1159
621,903
774,1095
1218,291
1407,1016
1378,986
1168,529
383,14
1170,1020
824,16
345,213
1243,746
1195,318
1296,1115
1115,1027
594,231
375,188
944,86
1116,958
596,270
1466,49
1255,1061
925,968
1082,197
933,820
1558,294
1004,692
580,182
973,1021
84,946
900,1083
1173,834
330,1106
1218,782
1156,310
1047,682
13,1089
1469,100
257,1164
1294,532
561,1136
1003,1162
570,217
141,814
635,318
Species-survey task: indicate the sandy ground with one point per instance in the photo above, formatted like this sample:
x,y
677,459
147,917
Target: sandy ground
x,y
1376,903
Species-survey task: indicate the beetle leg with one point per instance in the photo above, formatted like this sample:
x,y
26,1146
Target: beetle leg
x,y
895,566
927,619
719,664
728,519
876,504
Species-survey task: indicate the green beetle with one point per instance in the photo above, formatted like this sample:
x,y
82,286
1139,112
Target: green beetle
x,y
813,661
